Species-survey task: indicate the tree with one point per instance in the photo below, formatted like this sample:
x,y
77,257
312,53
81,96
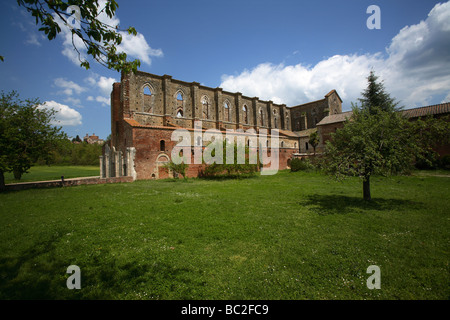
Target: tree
x,y
373,141
374,96
99,38
177,168
379,140
376,143
314,140
77,139
26,134
429,133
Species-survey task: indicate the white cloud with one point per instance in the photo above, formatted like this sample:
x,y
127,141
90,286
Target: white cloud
x,y
298,84
29,27
65,115
416,69
70,42
73,101
69,87
104,101
137,47
446,99
105,85
33,39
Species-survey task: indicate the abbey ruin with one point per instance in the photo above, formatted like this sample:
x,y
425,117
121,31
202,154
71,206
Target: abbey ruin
x,y
147,108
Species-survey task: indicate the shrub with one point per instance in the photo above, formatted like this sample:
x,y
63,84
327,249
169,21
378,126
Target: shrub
x,y
229,170
426,161
445,162
301,164
178,168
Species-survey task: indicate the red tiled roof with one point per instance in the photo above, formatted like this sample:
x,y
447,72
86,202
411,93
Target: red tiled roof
x,y
132,122
428,110
305,133
443,108
287,133
334,118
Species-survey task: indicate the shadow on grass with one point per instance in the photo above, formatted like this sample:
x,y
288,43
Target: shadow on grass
x,y
39,273
27,276
339,204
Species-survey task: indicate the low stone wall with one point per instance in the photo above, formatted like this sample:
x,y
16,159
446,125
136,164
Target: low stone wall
x,y
66,183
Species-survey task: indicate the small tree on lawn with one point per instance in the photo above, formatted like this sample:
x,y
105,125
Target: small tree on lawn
x,y
370,144
314,140
378,139
26,134
373,141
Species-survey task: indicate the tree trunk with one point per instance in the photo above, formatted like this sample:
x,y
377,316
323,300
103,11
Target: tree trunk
x,y
2,181
17,174
366,188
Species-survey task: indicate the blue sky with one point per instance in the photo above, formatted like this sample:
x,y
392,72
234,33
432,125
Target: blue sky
x,y
287,51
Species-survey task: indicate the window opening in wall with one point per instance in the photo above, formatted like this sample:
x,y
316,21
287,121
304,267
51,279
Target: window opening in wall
x,y
147,105
227,111
306,146
244,108
179,105
162,145
205,107
276,124
199,141
261,117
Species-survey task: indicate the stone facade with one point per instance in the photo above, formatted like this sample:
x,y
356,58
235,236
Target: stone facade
x,y
147,108
308,115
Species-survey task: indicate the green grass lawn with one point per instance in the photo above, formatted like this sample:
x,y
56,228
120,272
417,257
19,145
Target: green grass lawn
x,y
45,173
288,236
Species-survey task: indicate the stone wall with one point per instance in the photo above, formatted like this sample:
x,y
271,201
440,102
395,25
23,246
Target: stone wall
x,y
171,102
65,183
308,115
